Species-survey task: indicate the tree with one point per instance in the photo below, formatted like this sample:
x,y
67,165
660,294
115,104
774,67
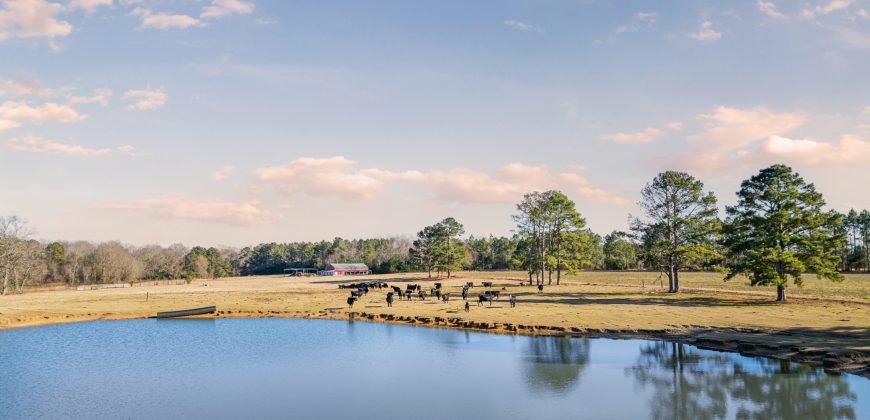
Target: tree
x,y
424,248
453,248
619,252
13,249
545,220
777,230
680,226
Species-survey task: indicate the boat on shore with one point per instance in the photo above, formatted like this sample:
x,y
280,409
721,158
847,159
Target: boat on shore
x,y
186,312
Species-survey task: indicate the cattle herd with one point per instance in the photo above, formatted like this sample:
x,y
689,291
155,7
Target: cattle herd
x,y
415,291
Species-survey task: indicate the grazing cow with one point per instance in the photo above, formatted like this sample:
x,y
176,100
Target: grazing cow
x,y
438,286
464,292
467,306
408,295
350,301
469,284
494,293
445,297
487,284
389,299
422,295
484,298
513,301
356,294
540,288
397,289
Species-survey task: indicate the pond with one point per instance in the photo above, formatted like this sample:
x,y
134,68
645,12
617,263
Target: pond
x,y
295,368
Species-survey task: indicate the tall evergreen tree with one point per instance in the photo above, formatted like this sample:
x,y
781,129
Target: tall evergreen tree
x,y
778,230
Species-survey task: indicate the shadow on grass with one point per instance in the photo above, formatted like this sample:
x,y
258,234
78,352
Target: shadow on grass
x,y
613,298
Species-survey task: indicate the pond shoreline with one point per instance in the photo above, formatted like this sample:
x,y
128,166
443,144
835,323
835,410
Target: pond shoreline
x,y
798,346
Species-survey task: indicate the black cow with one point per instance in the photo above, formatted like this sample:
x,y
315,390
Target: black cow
x,y
484,298
438,285
469,284
422,294
494,293
389,299
356,294
397,289
540,287
513,301
464,292
467,306
445,297
350,301
487,284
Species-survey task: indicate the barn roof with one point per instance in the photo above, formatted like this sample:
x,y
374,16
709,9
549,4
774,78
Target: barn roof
x,y
359,266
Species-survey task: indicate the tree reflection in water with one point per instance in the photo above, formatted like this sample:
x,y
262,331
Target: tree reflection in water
x,y
689,383
554,363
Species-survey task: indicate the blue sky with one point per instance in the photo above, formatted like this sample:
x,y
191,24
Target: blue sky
x,y
231,122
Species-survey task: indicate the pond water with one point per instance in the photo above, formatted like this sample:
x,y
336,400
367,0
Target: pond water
x,y
293,368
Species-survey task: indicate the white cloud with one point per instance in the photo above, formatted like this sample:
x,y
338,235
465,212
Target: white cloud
x,y
640,21
47,112
223,8
707,33
826,8
648,135
769,8
162,20
674,126
848,151
337,177
733,128
179,207
321,177
89,6
31,19
523,26
146,98
31,144
24,87
101,96
222,173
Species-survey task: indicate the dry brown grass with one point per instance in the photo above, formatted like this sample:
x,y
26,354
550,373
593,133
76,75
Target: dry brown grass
x,y
599,300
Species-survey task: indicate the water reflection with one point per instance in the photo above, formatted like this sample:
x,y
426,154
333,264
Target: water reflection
x,y
689,383
554,364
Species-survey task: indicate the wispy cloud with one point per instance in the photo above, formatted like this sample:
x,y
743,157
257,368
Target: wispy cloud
x,y
146,98
338,177
32,144
769,8
12,113
89,6
826,8
100,96
222,173
180,207
163,20
223,8
640,21
523,26
649,134
707,33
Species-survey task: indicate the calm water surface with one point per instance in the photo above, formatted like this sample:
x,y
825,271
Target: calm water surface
x,y
285,368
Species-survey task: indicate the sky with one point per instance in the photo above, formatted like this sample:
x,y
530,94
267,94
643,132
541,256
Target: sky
x,y
236,122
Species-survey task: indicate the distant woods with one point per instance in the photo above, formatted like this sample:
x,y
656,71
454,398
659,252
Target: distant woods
x,y
775,232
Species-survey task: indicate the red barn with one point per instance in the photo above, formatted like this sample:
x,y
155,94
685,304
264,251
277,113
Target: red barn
x,y
352,269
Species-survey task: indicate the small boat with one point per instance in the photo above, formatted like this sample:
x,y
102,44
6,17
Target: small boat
x,y
187,312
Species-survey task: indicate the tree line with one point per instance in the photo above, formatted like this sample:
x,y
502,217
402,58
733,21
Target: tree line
x,y
777,230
